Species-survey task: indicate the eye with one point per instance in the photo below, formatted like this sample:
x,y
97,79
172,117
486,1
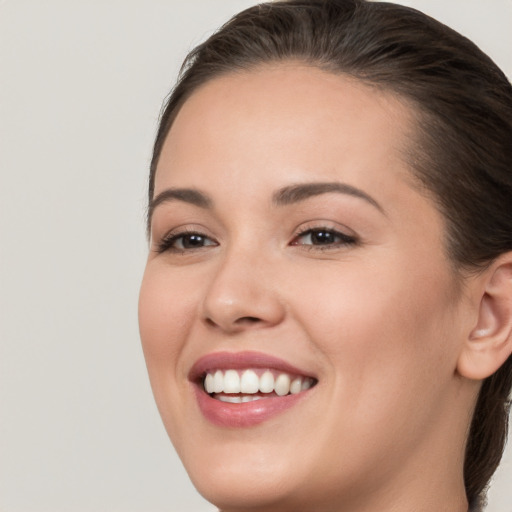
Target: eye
x,y
185,241
323,238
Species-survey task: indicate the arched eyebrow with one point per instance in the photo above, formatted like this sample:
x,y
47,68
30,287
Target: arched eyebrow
x,y
187,195
282,197
302,191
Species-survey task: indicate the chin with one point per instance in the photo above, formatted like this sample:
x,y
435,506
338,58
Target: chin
x,y
245,492
248,476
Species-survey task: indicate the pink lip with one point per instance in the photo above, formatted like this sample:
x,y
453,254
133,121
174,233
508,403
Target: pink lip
x,y
239,361
246,414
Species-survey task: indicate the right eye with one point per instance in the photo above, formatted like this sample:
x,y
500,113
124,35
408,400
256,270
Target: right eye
x,y
185,241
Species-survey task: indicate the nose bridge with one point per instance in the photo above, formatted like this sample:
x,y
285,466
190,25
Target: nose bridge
x,y
242,293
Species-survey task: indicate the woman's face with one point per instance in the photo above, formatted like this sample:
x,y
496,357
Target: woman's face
x,y
287,238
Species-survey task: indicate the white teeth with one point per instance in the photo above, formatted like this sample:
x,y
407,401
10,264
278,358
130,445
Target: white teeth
x,y
249,383
307,383
209,384
296,386
247,398
240,399
282,385
267,382
231,382
218,382
231,399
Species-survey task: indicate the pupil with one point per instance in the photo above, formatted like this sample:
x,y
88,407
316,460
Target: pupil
x,y
322,237
192,241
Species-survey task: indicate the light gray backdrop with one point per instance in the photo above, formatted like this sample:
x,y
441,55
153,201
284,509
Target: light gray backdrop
x,y
81,84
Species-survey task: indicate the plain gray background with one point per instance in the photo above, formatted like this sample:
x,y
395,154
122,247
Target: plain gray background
x,y
81,85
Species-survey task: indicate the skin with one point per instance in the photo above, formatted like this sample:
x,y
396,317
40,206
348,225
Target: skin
x,y
381,322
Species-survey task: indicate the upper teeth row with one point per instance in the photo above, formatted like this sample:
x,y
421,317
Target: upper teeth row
x,y
230,381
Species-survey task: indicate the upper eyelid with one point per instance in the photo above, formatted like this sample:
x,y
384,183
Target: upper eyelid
x,y
333,226
320,228
184,229
176,232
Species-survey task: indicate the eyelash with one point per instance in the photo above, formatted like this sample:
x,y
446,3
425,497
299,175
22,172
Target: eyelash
x,y
343,239
167,244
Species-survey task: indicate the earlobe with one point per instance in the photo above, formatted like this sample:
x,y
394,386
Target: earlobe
x,y
489,343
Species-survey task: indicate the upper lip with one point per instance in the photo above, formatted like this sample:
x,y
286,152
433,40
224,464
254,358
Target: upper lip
x,y
240,361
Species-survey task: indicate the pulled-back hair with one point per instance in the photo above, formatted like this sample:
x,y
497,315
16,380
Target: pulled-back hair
x,y
462,156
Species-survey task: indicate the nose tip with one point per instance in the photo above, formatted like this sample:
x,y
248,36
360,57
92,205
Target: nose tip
x,y
238,300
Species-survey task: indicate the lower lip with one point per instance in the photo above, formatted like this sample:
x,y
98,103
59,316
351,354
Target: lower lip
x,y
246,414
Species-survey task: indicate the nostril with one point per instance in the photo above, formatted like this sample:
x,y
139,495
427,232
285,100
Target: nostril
x,y
210,322
248,320
244,320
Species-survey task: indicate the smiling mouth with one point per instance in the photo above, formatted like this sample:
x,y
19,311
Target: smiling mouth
x,y
244,389
248,385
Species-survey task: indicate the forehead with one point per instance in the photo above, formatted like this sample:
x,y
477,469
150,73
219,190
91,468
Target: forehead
x,y
286,116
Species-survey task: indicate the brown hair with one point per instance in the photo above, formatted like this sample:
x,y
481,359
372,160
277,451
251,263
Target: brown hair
x,y
463,155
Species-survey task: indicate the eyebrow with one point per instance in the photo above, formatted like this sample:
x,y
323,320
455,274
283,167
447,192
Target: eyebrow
x,y
284,196
186,195
301,192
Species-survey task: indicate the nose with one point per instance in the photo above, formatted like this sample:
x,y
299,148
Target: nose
x,y
243,295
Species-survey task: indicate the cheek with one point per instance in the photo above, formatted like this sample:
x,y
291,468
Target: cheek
x,y
386,333
387,341
165,318
165,315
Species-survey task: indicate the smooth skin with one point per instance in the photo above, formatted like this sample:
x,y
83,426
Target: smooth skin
x,y
354,287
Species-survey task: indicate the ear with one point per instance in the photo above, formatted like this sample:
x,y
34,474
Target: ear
x,y
489,343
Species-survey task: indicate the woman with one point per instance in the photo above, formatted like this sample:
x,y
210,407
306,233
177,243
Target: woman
x,y
326,312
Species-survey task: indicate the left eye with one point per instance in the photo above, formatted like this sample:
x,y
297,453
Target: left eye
x,y
323,237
